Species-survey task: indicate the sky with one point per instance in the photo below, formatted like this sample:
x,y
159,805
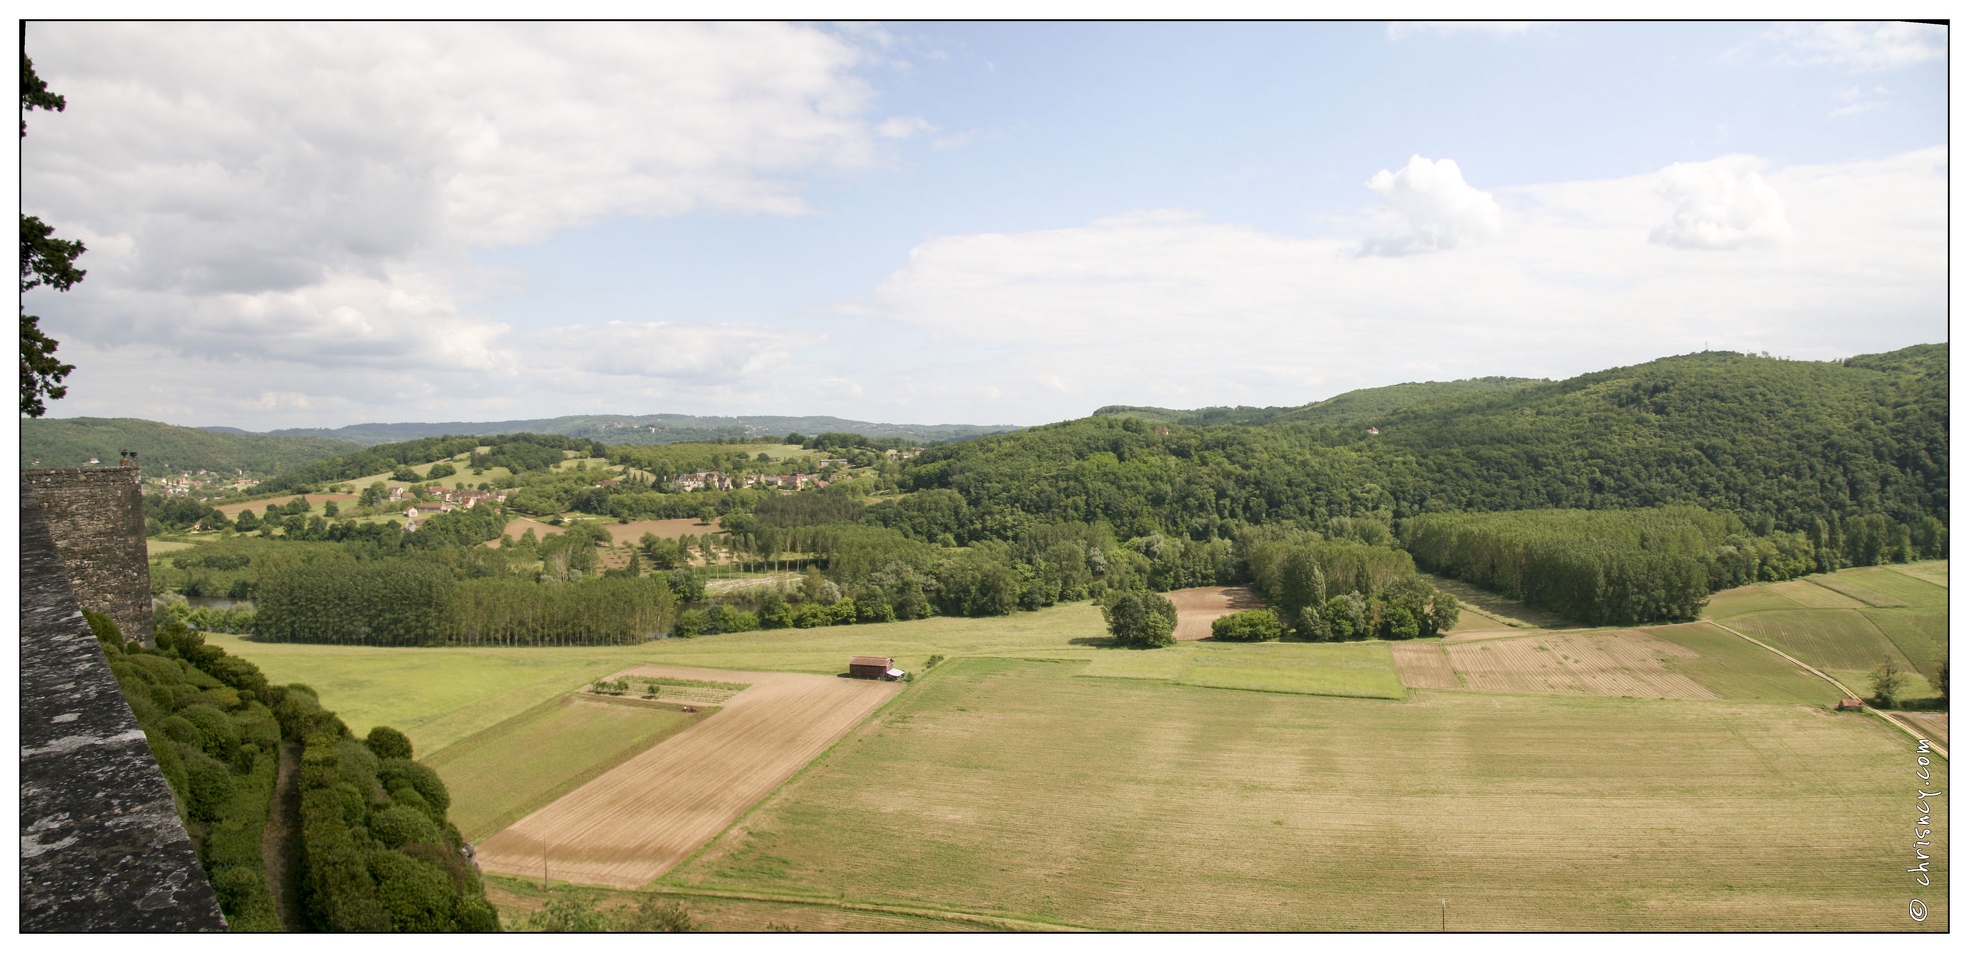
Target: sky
x,y
309,225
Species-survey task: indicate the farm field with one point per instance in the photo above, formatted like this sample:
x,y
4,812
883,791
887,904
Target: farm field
x,y
1042,778
505,772
1615,663
439,696
1424,665
632,823
1197,608
232,510
1347,669
1020,790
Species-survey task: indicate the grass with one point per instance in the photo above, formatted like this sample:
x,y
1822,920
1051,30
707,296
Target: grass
x,y
1900,587
519,765
1741,671
439,696
1349,669
1823,638
1731,603
1921,635
1009,787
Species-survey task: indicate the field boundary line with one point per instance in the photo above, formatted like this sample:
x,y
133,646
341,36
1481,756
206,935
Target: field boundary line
x,y
936,913
1884,716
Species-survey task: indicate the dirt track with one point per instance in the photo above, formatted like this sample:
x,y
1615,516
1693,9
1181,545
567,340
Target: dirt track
x,y
1197,608
628,826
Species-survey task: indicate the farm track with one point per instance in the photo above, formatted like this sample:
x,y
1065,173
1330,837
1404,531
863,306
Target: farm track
x,y
628,826
280,842
1940,749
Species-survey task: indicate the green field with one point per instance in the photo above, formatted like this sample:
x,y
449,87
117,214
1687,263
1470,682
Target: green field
x,y
439,696
1740,670
1352,670
507,771
1012,788
1905,619
1043,778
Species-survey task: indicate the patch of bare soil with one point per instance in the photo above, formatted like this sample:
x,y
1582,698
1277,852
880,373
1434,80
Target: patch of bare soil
x,y
1197,608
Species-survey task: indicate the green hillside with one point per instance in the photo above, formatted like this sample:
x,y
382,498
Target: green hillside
x,y
163,448
1788,441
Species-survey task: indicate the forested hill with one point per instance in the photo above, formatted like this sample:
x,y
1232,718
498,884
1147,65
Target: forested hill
x,y
653,429
163,448
1793,441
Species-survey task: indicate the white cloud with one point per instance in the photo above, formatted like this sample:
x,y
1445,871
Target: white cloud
x,y
1404,29
1442,211
1859,47
1720,204
697,353
308,194
1169,307
902,127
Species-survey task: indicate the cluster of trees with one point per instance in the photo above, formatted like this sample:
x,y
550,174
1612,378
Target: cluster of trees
x,y
1333,590
1622,567
1139,619
421,602
378,853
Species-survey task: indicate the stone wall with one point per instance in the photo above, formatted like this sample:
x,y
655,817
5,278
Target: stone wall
x,y
96,515
102,849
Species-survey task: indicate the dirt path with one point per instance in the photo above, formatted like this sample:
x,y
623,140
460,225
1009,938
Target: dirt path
x,y
1941,749
628,826
280,847
1197,608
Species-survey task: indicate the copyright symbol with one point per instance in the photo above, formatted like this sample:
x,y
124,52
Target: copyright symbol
x,y
1917,910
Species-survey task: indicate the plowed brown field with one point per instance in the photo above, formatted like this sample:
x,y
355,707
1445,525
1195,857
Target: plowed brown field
x,y
628,826
1197,608
1615,664
1423,665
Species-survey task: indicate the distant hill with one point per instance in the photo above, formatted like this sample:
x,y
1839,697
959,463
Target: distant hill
x,y
1789,442
648,428
1356,407
163,448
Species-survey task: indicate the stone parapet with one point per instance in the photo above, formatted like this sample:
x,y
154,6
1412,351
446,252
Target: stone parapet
x,y
102,849
96,515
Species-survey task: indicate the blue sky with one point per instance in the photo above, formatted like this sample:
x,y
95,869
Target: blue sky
x,y
991,223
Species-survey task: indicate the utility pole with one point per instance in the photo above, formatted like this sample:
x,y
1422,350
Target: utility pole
x,y
1445,914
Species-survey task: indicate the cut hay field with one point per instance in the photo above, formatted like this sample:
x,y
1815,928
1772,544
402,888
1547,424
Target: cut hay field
x,y
1619,663
629,825
1010,787
1845,623
505,772
1347,669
